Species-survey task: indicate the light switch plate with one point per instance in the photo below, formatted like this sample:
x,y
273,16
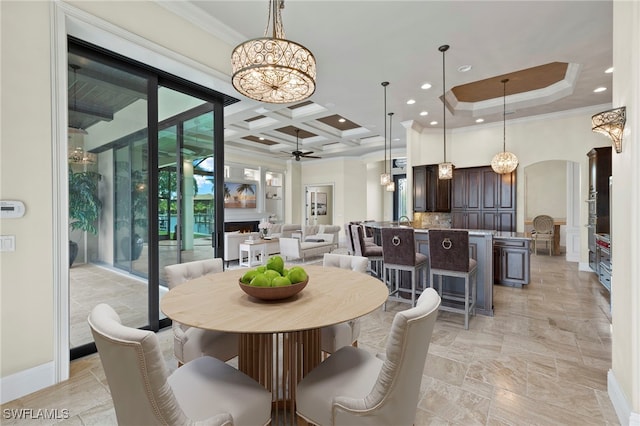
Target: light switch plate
x,y
7,243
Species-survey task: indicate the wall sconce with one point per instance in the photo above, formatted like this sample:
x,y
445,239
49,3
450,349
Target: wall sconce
x,y
611,123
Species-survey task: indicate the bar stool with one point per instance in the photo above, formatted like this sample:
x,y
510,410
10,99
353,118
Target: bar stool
x,y
372,252
399,254
449,256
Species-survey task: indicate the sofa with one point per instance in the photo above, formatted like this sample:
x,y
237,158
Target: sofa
x,y
232,242
312,232
294,248
285,230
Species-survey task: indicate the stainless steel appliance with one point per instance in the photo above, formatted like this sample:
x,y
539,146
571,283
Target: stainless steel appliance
x,y
603,259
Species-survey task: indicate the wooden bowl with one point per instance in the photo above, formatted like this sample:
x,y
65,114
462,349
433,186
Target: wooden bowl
x,y
273,293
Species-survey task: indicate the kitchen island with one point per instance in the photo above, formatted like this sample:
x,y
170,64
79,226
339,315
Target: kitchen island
x,y
503,253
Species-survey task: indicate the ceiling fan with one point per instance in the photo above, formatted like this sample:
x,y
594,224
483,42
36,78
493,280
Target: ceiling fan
x,y
297,154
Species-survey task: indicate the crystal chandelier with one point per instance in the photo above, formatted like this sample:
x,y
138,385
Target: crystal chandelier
x,y
504,162
445,169
385,177
391,185
273,69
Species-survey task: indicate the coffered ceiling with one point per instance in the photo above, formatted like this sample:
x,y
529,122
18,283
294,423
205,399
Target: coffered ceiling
x,y
554,54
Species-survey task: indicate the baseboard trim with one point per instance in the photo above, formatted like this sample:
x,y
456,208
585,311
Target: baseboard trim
x,y
25,382
584,267
620,403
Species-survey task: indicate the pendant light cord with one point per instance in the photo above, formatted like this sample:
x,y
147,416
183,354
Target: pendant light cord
x,y
504,115
385,84
443,49
390,130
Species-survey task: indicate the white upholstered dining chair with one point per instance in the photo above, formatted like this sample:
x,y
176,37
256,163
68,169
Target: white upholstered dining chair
x,y
190,342
355,387
203,391
336,336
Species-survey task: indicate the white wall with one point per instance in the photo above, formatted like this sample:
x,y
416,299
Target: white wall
x,y
26,174
624,378
545,187
565,136
27,275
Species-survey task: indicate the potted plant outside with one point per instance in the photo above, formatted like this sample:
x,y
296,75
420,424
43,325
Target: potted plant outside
x,y
84,206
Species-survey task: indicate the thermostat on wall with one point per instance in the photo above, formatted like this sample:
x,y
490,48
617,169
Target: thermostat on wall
x,y
10,209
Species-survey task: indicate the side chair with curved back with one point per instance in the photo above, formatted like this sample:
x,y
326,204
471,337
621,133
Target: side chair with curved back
x,y
543,231
336,336
355,387
203,391
399,254
449,256
192,342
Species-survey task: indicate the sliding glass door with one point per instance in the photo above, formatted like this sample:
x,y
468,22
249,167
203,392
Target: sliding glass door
x,y
186,190
142,185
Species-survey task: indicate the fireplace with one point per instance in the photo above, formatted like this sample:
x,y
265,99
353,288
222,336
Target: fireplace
x,y
246,226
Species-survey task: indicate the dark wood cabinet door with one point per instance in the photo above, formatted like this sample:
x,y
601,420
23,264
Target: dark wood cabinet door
x,y
474,189
514,263
489,189
506,191
474,220
459,220
459,190
430,194
442,192
420,189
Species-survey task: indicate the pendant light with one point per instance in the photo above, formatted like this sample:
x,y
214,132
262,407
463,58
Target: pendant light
x,y
385,177
75,151
445,169
391,185
504,162
273,69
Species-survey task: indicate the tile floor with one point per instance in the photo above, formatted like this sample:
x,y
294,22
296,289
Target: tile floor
x,y
541,360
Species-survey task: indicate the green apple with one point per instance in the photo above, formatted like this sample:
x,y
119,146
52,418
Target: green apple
x,y
297,275
276,263
271,274
261,269
261,280
248,276
280,282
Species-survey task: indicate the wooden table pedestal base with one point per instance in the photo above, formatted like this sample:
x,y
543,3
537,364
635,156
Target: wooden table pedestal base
x,y
279,361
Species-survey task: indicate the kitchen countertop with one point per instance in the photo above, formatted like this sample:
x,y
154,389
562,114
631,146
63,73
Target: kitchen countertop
x,y
496,234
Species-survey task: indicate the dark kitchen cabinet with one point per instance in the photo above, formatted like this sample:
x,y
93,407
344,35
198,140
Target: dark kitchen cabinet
x,y
483,199
599,172
511,261
430,194
467,189
420,189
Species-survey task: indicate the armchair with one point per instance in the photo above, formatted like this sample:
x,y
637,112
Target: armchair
x,y
191,342
203,391
354,387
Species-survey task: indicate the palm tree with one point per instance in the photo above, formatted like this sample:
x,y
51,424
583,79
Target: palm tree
x,y
244,188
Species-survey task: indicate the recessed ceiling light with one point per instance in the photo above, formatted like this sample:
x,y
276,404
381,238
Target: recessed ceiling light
x,y
464,68
342,120
426,86
480,120
600,89
423,113
411,101
608,70
433,123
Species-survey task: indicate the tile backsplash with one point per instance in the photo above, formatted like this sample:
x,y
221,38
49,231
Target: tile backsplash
x,y
431,220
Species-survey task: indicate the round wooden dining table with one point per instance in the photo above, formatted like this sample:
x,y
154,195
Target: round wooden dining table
x,y
279,339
